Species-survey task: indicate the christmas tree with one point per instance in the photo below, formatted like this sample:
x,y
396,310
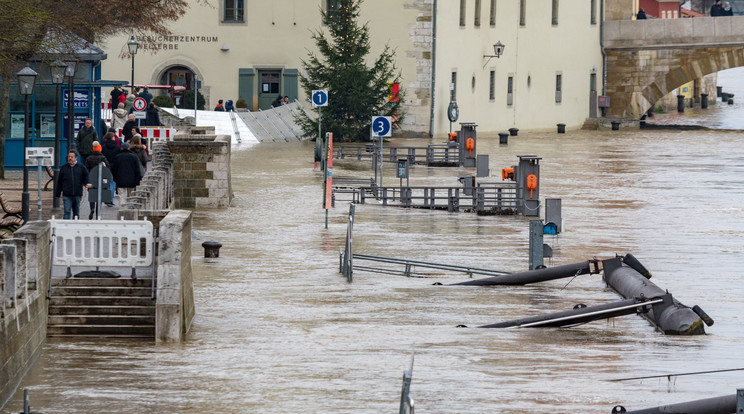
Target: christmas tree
x,y
356,92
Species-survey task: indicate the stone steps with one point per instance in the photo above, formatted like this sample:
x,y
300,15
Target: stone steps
x,y
101,307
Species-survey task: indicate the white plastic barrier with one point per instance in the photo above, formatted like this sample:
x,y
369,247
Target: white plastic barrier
x,y
104,243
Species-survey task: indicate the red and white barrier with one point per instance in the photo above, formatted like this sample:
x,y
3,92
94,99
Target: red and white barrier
x,y
154,133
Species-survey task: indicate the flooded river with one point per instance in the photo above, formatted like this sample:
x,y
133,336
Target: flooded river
x,y
278,329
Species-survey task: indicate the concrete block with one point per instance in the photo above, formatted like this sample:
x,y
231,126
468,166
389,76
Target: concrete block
x,y
703,31
677,30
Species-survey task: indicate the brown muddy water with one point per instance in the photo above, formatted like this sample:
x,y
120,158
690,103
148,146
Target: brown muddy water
x,y
278,329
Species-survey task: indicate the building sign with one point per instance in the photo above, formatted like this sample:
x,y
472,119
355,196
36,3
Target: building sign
x,y
172,42
80,100
17,123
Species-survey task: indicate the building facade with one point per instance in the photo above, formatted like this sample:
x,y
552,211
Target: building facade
x,y
550,71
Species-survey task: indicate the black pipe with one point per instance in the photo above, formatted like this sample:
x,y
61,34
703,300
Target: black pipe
x,y
725,404
672,318
581,314
534,276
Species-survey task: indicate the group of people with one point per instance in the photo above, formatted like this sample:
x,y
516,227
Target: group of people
x,y
280,101
124,107
721,10
127,160
225,106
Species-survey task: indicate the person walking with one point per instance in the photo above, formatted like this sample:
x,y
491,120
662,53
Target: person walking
x,y
85,138
95,158
641,15
140,150
111,148
126,172
727,10
126,131
73,177
153,116
229,107
119,117
716,9
145,94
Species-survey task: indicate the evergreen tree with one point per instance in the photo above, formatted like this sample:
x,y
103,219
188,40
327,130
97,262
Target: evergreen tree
x,y
356,92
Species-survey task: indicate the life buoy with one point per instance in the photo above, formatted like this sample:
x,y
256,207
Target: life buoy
x,y
470,146
453,136
507,174
531,183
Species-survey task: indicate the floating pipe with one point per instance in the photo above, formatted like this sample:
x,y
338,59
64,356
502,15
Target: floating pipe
x,y
725,404
582,314
537,275
673,318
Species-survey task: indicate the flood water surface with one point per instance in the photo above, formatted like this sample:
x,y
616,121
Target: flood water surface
x,y
278,329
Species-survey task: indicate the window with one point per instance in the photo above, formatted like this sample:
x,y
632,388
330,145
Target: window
x,y
593,82
270,82
476,18
234,11
491,85
522,12
594,12
492,19
554,19
558,87
462,13
332,8
510,90
453,87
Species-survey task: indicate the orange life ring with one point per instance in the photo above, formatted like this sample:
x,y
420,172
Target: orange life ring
x,y
531,183
470,146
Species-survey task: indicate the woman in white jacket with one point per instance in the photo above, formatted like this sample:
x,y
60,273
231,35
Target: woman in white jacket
x,y
119,117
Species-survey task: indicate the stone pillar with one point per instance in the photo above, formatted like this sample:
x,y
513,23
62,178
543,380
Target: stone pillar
x,y
174,309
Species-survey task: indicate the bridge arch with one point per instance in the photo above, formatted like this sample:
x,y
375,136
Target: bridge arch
x,y
647,60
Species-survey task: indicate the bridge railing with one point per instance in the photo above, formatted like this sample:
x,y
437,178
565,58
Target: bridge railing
x,y
673,33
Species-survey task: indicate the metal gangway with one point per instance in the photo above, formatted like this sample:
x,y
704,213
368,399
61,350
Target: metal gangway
x,y
410,268
276,124
433,155
496,198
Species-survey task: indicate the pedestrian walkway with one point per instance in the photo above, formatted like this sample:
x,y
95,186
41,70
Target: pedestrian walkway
x,y
12,187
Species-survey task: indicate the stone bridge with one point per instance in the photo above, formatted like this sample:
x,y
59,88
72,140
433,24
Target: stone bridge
x,y
647,59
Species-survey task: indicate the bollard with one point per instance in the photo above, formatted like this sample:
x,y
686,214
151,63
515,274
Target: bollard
x,y
503,138
703,101
724,96
513,131
561,128
719,90
680,103
730,101
211,248
615,125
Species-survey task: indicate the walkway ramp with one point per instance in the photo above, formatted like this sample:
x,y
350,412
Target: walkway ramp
x,y
276,124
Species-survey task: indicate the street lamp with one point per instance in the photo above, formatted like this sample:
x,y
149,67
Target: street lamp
x,y
58,77
498,50
26,80
70,73
132,45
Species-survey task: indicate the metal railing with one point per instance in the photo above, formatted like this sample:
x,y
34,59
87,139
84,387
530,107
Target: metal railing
x,y
485,198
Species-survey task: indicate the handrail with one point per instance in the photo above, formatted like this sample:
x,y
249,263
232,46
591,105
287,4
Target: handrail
x,y
430,265
235,126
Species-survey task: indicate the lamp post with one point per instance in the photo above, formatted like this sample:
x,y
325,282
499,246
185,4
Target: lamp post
x,y
26,80
58,76
132,45
70,73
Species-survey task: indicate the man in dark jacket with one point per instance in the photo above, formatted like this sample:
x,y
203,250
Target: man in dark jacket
x,y
126,172
85,137
126,130
146,95
72,178
153,117
110,149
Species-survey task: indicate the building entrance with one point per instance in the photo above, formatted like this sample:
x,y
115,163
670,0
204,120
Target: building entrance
x,y
269,87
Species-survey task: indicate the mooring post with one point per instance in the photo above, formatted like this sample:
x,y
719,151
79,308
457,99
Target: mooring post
x,y
740,400
536,244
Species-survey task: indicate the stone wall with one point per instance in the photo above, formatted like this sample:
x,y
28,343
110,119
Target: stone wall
x,y
201,169
155,191
24,280
174,309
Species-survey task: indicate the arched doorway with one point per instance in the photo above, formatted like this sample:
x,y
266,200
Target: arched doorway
x,y
178,76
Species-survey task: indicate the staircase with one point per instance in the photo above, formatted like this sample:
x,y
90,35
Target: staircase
x,y
102,307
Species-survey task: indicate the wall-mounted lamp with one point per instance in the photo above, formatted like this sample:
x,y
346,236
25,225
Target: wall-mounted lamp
x,y
225,47
498,50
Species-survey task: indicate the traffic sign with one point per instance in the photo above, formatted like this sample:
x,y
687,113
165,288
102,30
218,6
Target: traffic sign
x,y
320,98
140,114
381,126
139,104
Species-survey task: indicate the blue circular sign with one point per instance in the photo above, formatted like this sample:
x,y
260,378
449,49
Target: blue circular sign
x,y
381,126
320,98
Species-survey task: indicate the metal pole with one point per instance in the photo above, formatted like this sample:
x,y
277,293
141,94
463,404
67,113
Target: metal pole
x,y
381,158
196,95
57,136
38,167
24,195
71,144
132,84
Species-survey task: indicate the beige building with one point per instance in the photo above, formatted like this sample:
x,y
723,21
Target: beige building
x,y
549,72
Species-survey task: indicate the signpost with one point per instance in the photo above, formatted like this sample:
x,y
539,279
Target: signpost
x,y
43,156
329,177
139,106
381,127
319,99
